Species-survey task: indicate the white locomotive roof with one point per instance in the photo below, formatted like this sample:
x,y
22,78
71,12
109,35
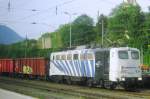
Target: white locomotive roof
x,y
94,50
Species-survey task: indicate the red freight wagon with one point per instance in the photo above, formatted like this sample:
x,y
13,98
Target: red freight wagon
x,y
31,66
6,65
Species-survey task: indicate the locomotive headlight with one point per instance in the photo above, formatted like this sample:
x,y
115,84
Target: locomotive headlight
x,y
123,79
140,78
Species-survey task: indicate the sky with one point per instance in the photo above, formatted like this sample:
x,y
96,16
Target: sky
x,y
35,17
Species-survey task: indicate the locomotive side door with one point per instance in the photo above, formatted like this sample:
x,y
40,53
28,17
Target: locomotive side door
x,y
102,65
99,68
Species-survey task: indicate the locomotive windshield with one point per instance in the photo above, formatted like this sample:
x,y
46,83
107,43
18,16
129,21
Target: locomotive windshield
x,y
134,55
123,54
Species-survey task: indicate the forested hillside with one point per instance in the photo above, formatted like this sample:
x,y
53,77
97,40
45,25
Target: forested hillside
x,y
8,36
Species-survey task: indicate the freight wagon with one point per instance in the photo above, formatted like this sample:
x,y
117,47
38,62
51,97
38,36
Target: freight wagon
x,y
33,67
30,67
6,66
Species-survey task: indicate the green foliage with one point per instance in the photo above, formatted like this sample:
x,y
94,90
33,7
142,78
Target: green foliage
x,y
83,30
56,40
83,20
63,31
146,39
27,48
146,58
125,25
146,30
128,25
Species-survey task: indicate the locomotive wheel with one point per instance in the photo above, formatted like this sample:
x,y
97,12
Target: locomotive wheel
x,y
102,83
113,86
68,81
110,85
106,85
89,83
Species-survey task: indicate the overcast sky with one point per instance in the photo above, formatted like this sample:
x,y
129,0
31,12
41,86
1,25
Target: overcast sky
x,y
23,13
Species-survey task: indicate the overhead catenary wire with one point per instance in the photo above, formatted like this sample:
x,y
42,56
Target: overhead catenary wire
x,y
45,11
10,7
34,10
32,23
22,9
54,7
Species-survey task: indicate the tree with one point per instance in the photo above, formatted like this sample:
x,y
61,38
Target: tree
x,y
147,27
83,30
56,40
64,34
125,25
146,45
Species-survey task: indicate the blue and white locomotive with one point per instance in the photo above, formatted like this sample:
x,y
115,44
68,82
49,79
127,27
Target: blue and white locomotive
x,y
106,67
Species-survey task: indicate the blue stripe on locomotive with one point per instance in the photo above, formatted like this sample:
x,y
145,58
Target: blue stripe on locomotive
x,y
65,67
86,69
61,66
77,67
81,68
69,67
57,65
83,71
73,68
92,67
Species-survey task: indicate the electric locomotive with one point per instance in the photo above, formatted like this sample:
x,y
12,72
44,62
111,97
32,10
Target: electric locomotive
x,y
105,67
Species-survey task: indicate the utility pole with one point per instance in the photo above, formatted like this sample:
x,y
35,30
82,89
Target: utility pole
x,y
70,33
70,15
43,41
102,28
26,45
9,5
102,32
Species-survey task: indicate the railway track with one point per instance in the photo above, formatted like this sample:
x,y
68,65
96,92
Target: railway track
x,y
75,91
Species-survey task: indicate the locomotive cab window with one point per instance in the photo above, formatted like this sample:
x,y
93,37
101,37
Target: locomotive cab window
x,y
134,55
63,57
90,56
75,56
57,57
82,57
123,54
69,57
